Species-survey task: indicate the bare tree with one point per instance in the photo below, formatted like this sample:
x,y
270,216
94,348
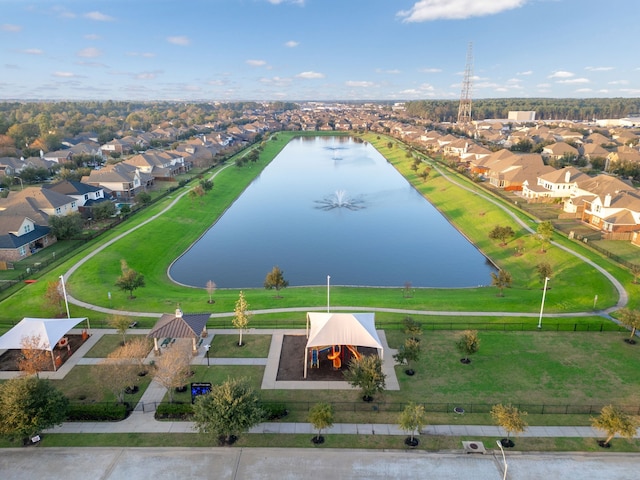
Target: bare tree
x,y
501,280
211,289
172,368
54,297
117,372
137,349
34,359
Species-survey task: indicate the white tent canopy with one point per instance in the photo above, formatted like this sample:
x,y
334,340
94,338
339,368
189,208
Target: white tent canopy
x,y
49,330
356,329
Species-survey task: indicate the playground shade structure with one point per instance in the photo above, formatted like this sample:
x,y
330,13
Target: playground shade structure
x,y
354,329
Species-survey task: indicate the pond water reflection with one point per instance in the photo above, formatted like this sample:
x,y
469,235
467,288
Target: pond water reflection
x,y
332,206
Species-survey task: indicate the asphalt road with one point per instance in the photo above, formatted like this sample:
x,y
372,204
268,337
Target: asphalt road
x,y
293,464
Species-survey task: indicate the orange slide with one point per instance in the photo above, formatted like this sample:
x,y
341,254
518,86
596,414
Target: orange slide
x,y
354,351
335,357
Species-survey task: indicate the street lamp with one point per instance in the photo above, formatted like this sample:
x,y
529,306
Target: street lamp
x,y
206,351
64,292
504,459
544,292
328,279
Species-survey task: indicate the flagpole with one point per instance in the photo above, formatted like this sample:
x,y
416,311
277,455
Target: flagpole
x,y
328,285
64,292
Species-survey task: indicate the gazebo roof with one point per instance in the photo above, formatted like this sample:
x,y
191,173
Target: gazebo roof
x,y
179,325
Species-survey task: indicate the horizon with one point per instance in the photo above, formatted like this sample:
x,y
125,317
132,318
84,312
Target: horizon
x,y
314,50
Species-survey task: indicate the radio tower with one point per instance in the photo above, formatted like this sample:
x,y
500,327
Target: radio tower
x,y
464,111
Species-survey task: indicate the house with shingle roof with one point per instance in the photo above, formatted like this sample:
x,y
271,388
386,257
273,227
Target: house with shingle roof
x,y
559,183
558,150
161,165
123,181
87,196
617,213
587,189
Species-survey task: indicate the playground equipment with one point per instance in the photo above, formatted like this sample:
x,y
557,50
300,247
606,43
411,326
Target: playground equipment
x,y
315,355
335,357
354,351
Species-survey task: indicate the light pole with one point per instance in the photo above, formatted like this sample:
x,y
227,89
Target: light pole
x,y
64,292
504,459
206,351
328,280
544,292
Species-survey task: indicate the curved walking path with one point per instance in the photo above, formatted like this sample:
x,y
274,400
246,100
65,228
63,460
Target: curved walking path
x,y
623,296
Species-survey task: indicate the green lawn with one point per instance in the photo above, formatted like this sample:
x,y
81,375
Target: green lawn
x,y
253,346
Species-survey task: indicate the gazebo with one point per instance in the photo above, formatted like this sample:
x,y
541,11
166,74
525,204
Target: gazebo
x,y
357,329
179,325
49,331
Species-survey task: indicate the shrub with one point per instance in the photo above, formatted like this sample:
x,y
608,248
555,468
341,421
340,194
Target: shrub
x,y
274,411
174,411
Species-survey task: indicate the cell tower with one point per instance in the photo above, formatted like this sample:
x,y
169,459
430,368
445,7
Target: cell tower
x,y
464,111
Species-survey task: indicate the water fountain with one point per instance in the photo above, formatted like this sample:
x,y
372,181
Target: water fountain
x,y
340,199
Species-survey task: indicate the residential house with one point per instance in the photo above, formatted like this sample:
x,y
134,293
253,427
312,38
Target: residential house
x,y
121,180
511,172
588,188
556,184
559,150
617,214
594,150
622,155
59,156
87,196
161,165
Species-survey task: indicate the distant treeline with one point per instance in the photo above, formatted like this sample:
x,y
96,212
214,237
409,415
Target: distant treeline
x,y
579,109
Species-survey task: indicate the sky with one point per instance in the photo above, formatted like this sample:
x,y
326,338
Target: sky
x,y
325,50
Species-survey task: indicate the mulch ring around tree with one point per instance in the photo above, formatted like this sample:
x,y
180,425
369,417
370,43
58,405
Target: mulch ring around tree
x,y
291,365
9,359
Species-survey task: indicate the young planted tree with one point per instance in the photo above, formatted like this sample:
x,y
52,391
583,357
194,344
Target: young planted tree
x,y
241,315
408,353
412,328
412,419
173,367
544,232
468,344
137,349
544,271
511,419
211,289
614,421
130,280
34,358
501,233
120,323
275,279
228,410
54,298
366,373
117,372
630,319
29,405
320,417
502,280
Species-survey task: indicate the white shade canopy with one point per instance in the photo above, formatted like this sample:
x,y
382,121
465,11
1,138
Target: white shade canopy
x,y
49,330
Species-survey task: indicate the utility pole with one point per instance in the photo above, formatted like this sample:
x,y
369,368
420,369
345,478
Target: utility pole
x,y
464,111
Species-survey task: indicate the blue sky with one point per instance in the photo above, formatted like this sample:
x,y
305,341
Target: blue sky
x,y
258,50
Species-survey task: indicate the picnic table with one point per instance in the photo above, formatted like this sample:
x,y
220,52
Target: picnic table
x,y
166,342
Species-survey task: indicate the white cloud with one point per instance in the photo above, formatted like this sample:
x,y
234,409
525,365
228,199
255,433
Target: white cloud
x,y
146,75
430,70
598,69
426,10
291,44
92,36
256,63
309,75
574,80
90,52
561,74
584,90
179,40
389,72
619,82
528,72
278,2
543,85
359,83
141,54
64,74
631,91
99,17
276,81
7,27
33,51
